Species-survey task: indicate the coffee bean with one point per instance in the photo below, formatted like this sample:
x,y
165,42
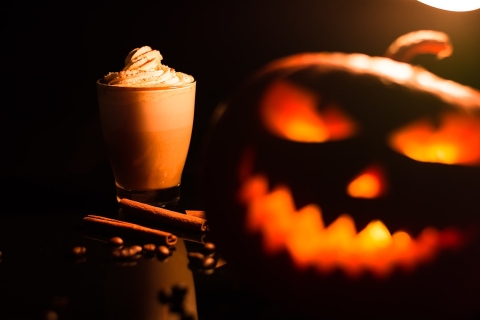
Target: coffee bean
x,y
149,247
127,252
209,248
195,260
136,248
208,271
79,251
117,253
209,263
163,251
116,241
195,256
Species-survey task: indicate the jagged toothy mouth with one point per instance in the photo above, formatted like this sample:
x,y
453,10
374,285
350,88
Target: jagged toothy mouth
x,y
272,213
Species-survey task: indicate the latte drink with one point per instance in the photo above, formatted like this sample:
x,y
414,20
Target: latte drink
x,y
147,134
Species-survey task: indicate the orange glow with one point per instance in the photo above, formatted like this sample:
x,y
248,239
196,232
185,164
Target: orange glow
x,y
455,141
375,235
369,184
303,234
401,239
292,113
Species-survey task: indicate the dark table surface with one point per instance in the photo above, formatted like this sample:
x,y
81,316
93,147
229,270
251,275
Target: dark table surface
x,y
40,278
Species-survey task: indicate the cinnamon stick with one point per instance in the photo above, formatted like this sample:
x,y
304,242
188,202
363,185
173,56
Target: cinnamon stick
x,y
145,211
196,213
130,228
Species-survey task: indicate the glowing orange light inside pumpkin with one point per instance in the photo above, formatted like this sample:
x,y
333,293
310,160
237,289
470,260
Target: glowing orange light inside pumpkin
x,y
310,243
375,235
455,141
292,113
369,184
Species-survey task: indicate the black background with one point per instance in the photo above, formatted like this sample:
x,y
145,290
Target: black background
x,y
54,51
51,144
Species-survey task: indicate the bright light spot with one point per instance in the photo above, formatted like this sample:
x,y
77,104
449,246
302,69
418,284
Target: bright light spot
x,y
395,70
430,81
455,140
374,236
378,231
291,112
359,61
453,5
312,243
369,184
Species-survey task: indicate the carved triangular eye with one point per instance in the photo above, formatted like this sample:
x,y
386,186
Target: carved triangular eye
x,y
454,140
369,184
292,113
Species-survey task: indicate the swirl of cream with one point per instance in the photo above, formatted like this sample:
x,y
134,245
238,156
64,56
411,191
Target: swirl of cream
x,y
143,68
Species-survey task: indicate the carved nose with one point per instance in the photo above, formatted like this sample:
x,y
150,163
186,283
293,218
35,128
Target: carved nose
x,y
368,184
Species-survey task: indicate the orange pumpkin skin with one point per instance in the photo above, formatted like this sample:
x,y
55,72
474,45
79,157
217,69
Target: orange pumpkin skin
x,y
377,103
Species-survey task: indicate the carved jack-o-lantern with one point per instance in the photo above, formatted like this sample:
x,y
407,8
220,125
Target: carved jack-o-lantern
x,y
354,182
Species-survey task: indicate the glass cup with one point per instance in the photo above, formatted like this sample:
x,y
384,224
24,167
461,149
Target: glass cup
x,y
147,135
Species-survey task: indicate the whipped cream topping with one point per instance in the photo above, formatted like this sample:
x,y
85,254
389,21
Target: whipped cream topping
x,y
144,68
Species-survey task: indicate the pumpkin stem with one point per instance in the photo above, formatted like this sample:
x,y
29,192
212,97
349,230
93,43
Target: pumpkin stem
x,y
406,47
